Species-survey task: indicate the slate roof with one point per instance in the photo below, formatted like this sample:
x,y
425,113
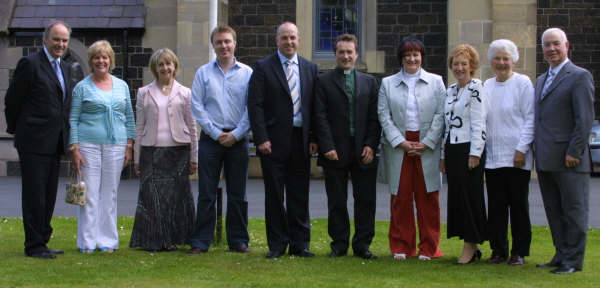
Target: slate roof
x,y
115,14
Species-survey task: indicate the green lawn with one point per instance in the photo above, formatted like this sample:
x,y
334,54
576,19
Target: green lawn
x,y
135,268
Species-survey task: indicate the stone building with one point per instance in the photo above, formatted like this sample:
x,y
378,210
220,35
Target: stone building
x,y
136,28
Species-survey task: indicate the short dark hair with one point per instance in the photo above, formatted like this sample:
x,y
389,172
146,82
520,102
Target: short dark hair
x,y
410,43
223,29
346,38
52,24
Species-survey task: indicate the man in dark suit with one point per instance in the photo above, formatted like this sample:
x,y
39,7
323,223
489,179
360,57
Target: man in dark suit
x,y
280,96
37,107
348,132
563,120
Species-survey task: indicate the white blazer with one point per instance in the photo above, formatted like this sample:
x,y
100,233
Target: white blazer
x,y
465,116
391,108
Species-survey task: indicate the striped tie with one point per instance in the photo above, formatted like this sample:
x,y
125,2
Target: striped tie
x,y
293,84
549,79
59,75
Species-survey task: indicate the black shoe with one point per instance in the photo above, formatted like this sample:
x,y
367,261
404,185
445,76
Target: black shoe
x,y
302,253
516,260
366,255
196,251
496,259
241,249
42,255
564,270
549,264
55,252
335,254
273,254
476,256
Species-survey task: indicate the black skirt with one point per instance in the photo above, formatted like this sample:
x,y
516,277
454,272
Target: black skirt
x,y
466,202
165,210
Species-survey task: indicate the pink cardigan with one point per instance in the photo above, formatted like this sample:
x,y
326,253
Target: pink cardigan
x,y
181,121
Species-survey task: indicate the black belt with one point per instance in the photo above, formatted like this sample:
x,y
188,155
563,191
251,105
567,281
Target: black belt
x,y
227,130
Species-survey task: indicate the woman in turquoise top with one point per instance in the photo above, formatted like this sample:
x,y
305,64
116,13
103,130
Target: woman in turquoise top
x,y
101,143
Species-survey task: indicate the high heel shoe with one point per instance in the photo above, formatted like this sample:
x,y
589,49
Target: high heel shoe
x,y
476,256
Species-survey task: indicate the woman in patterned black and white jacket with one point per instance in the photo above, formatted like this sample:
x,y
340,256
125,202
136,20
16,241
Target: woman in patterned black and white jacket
x,y
463,155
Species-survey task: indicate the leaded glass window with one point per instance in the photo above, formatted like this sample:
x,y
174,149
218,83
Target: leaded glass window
x,y
333,18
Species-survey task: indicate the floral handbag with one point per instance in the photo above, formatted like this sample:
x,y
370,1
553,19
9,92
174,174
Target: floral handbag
x,y
76,190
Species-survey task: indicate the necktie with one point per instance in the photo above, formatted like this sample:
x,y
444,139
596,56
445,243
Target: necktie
x,y
549,79
59,75
292,83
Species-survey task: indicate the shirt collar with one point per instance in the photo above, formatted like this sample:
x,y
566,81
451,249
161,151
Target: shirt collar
x,y
284,59
234,66
560,66
50,56
344,72
401,78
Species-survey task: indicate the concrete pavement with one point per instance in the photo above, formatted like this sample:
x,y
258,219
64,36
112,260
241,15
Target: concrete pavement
x,y
10,200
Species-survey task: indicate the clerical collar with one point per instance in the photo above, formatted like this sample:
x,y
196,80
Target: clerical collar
x,y
343,71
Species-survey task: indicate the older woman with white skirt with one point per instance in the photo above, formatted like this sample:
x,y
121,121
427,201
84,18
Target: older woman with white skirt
x,y
510,121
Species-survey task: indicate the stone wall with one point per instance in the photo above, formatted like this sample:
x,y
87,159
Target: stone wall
x,y
425,19
138,57
255,23
581,21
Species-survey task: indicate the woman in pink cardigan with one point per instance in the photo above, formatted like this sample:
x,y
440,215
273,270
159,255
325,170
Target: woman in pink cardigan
x,y
165,154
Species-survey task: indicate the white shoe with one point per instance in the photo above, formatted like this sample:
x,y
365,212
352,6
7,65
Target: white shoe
x,y
399,256
424,258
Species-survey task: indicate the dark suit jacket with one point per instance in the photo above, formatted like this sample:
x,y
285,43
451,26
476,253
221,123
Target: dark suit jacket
x,y
34,107
332,117
270,106
563,119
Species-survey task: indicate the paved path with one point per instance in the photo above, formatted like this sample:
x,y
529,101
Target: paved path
x,y
10,200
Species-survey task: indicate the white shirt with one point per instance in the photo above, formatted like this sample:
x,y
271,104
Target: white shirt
x,y
412,106
510,121
465,116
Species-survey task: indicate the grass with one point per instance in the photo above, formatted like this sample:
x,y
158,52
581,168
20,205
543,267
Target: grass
x,y
135,268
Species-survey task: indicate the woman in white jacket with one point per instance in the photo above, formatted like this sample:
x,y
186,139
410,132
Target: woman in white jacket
x,y
463,155
410,109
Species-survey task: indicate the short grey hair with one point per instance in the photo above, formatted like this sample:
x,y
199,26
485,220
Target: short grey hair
x,y
554,29
503,45
52,24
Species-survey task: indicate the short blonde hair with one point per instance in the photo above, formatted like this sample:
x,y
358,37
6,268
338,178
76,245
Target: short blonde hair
x,y
100,47
166,54
467,51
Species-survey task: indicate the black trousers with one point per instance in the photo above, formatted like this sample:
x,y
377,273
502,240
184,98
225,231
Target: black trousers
x,y
39,180
286,198
364,193
466,203
508,190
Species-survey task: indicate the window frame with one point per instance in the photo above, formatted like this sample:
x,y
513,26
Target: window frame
x,y
318,54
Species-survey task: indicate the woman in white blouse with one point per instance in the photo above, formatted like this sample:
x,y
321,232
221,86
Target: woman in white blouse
x,y
463,156
509,158
410,109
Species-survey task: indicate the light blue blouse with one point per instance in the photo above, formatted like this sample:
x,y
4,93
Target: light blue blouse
x,y
101,117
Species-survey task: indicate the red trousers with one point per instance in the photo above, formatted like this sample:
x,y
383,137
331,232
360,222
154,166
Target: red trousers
x,y
402,223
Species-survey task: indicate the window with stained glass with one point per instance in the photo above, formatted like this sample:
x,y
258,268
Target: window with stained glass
x,y
333,18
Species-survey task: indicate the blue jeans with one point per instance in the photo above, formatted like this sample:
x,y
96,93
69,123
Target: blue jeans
x,y
211,157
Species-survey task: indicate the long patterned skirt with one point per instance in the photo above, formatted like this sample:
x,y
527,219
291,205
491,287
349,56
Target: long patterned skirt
x,y
165,210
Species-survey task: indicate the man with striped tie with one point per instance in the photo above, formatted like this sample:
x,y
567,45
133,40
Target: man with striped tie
x,y
564,103
280,98
37,106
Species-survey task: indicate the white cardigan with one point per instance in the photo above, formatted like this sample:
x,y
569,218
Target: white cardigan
x,y
510,121
465,116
